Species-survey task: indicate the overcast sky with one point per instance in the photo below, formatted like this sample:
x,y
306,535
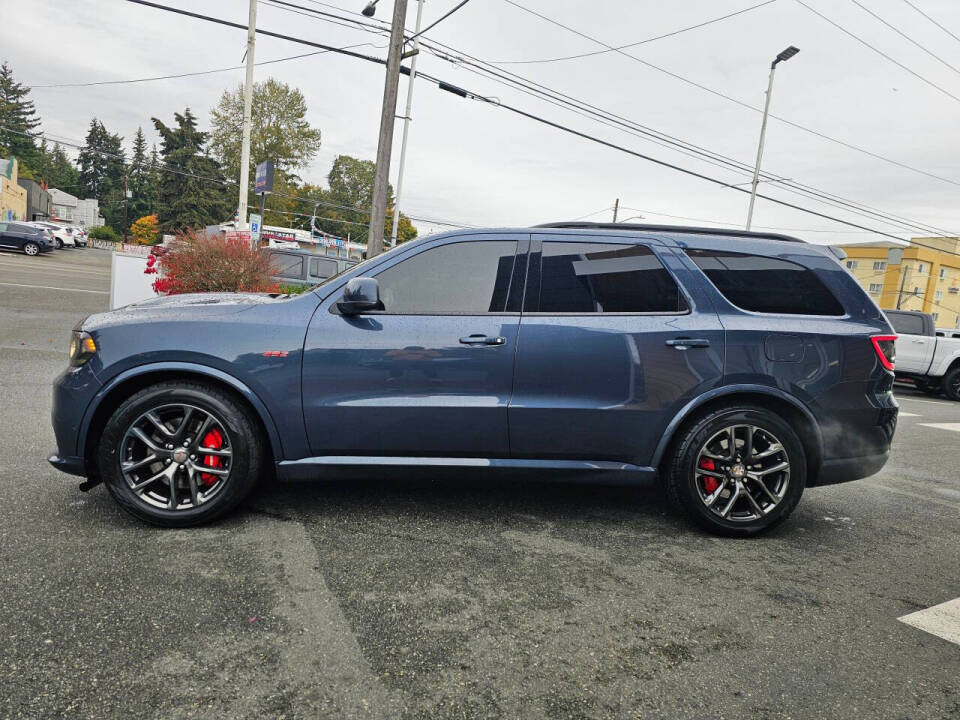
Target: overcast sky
x,y
477,164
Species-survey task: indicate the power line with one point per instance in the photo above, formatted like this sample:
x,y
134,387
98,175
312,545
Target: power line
x,y
877,50
468,94
193,74
634,44
741,103
439,20
946,30
902,34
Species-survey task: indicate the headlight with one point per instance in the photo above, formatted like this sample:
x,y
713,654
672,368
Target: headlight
x,y
82,348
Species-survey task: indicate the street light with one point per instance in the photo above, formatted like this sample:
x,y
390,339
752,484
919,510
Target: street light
x,y
370,9
782,57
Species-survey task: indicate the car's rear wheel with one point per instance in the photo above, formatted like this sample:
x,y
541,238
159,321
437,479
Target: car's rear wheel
x,y
738,471
180,453
928,387
951,384
31,248
59,244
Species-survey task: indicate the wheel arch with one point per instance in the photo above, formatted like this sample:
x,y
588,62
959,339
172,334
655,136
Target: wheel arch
x,y
769,398
131,381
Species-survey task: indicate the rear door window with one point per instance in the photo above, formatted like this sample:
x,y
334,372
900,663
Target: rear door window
x,y
764,284
321,268
288,266
587,278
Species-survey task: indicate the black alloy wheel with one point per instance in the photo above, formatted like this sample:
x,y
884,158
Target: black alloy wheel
x,y
180,453
738,471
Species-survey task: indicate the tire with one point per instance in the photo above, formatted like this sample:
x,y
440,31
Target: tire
x,y
59,244
951,384
237,474
928,387
31,249
691,490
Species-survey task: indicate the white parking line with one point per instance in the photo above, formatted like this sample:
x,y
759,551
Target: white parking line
x,y
906,414
50,287
902,399
942,620
955,427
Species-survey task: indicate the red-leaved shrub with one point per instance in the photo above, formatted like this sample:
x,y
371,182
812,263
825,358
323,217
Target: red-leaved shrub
x,y
197,262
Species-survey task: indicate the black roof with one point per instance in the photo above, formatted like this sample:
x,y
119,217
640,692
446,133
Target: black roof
x,y
682,229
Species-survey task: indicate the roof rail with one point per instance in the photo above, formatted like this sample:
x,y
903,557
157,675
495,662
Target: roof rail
x,y
670,228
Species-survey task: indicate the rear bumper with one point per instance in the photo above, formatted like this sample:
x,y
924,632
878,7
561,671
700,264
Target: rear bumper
x,y
841,470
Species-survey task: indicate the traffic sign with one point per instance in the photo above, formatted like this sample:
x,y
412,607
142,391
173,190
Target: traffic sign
x,y
255,229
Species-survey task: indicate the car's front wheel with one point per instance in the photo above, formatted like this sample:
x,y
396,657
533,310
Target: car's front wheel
x,y
180,453
738,471
59,244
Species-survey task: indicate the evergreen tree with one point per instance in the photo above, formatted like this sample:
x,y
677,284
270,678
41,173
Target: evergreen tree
x,y
18,120
153,181
102,169
57,170
139,178
191,193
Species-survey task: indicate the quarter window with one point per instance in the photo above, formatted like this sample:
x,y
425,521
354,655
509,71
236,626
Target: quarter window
x,y
605,278
765,284
466,278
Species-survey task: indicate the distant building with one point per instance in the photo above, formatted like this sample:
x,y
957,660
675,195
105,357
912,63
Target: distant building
x,y
927,278
320,243
68,209
38,199
13,198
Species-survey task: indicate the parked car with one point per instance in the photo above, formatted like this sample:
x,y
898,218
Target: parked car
x,y
59,233
924,357
736,368
78,234
302,267
24,237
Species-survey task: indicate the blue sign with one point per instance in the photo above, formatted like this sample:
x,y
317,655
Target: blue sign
x,y
264,178
255,228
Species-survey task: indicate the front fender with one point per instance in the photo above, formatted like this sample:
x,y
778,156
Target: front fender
x,y
276,444
729,390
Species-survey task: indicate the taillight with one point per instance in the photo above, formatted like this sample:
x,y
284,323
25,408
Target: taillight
x,y
886,348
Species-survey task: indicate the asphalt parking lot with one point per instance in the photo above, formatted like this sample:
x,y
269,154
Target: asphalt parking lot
x,y
463,597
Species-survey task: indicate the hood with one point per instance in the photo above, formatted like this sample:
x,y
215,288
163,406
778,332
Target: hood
x,y
171,308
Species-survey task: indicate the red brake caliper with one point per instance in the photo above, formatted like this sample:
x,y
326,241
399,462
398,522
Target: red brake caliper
x,y
710,484
213,440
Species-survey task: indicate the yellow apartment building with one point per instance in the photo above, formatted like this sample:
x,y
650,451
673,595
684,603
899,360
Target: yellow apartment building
x,y
927,278
13,198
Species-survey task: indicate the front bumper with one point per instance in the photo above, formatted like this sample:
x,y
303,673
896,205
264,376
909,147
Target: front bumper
x,y
69,465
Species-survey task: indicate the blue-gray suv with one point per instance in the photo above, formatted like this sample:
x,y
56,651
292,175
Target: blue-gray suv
x,y
737,368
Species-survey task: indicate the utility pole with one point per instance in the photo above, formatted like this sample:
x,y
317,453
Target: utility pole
x,y
125,226
616,208
903,279
406,125
378,208
785,55
247,112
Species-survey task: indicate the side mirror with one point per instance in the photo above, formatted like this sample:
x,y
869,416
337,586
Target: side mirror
x,y
360,294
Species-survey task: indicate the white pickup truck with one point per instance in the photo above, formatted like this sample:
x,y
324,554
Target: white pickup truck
x,y
929,360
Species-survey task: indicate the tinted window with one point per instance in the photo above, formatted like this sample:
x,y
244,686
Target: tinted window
x,y
288,266
764,284
605,278
906,324
323,268
466,278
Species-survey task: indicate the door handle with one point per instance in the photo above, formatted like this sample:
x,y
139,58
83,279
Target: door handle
x,y
687,343
480,339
